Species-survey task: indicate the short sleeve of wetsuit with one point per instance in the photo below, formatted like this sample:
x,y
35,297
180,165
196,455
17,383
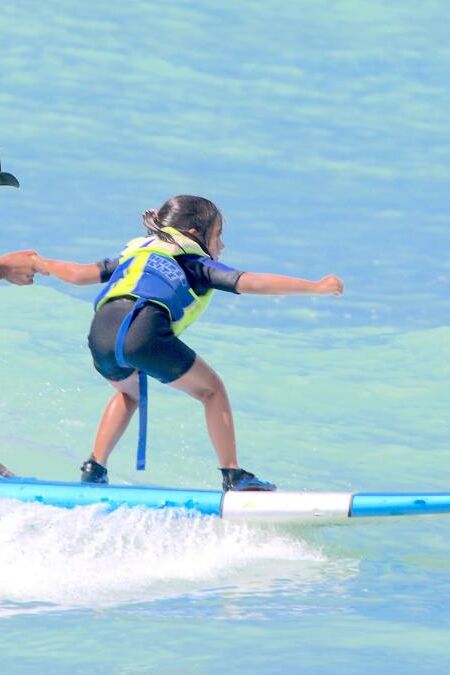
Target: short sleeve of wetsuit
x,y
204,274
107,267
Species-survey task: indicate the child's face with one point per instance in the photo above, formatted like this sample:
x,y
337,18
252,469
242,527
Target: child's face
x,y
215,243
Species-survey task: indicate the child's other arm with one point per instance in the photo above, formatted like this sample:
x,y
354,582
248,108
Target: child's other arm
x,y
280,284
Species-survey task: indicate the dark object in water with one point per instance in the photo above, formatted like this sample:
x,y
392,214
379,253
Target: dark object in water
x,y
8,178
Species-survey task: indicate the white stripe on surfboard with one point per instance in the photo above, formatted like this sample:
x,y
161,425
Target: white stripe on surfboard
x,y
286,506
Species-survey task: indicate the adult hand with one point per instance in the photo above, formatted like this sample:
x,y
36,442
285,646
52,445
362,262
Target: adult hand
x,y
19,267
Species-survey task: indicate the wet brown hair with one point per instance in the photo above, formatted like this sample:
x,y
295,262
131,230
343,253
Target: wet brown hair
x,y
184,212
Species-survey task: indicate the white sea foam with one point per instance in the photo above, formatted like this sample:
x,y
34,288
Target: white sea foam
x,y
89,557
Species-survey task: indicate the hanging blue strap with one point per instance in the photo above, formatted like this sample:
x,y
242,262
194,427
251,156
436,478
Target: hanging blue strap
x,y
143,395
142,441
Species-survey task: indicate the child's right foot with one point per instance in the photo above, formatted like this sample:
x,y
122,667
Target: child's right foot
x,y
93,472
244,481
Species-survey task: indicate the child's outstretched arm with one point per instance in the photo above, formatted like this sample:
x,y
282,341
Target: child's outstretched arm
x,y
280,284
71,272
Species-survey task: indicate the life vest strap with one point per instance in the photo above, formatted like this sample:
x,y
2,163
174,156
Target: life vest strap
x,y
143,389
143,404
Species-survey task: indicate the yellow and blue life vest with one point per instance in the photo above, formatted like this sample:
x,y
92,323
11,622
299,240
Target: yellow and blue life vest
x,y
148,271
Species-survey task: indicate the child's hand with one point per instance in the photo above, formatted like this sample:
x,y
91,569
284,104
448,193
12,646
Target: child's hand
x,y
40,265
330,285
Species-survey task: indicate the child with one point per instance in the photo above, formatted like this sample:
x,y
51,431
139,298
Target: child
x,y
157,287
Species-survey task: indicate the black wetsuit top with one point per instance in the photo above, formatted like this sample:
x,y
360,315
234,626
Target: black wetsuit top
x,y
202,273
150,344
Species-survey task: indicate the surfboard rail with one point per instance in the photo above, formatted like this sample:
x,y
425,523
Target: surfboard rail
x,y
305,506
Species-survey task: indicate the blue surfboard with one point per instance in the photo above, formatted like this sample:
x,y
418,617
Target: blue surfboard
x,y
305,506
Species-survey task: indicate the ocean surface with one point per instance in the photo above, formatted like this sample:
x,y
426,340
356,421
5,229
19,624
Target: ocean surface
x,y
321,131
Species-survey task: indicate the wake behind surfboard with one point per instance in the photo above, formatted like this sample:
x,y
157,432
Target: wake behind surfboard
x,y
300,507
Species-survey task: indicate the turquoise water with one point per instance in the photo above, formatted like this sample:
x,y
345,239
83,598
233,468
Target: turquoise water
x,y
321,131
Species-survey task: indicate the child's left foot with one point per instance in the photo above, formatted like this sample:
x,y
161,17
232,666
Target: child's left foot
x,y
5,473
93,472
244,481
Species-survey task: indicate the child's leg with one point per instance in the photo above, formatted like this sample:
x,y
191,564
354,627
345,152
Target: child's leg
x,y
205,385
116,417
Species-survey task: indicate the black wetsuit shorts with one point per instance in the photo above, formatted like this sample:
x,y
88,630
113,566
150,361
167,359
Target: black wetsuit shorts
x,y
150,344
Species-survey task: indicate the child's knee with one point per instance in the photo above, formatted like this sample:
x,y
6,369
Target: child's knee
x,y
129,387
212,388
